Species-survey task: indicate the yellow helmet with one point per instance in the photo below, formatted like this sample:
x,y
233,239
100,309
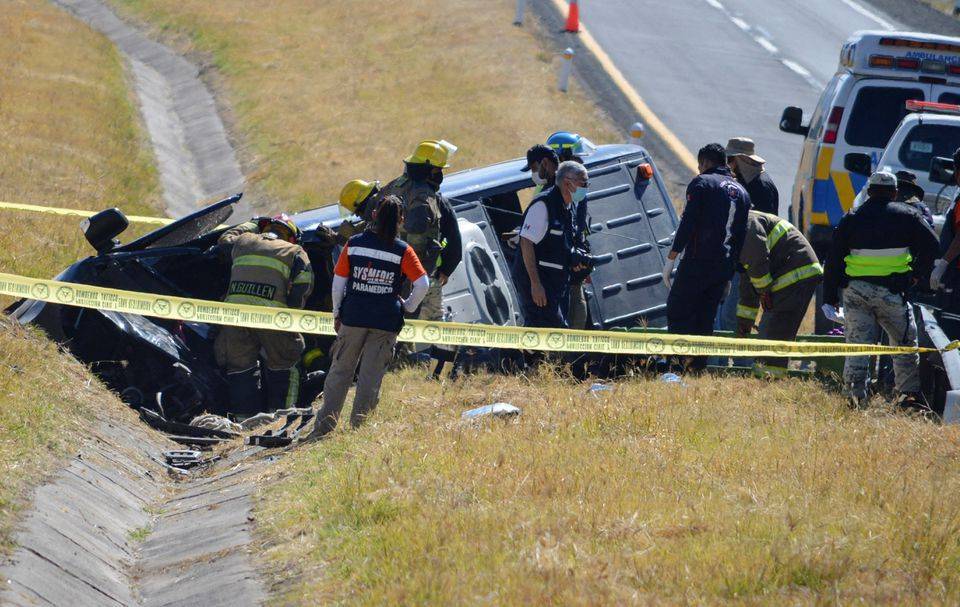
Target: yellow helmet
x,y
434,153
355,192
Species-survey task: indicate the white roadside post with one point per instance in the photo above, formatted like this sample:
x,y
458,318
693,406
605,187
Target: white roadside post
x,y
951,408
637,131
565,68
521,6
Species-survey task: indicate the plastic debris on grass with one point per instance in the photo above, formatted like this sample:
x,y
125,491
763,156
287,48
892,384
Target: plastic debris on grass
x,y
501,410
598,387
672,378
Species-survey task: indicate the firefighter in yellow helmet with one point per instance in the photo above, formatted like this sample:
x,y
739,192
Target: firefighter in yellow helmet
x,y
359,198
268,268
430,224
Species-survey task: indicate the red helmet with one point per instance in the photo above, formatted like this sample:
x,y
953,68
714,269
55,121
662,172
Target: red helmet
x,y
282,225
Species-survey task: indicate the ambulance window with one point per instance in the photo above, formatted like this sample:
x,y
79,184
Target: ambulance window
x,y
951,98
877,113
927,141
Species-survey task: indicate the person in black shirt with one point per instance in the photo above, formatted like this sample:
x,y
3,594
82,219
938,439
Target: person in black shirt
x,y
710,236
748,167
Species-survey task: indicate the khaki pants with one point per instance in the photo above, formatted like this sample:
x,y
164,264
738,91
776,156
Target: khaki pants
x,y
577,312
237,348
372,349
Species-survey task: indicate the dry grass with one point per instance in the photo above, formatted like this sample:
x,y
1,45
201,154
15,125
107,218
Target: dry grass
x,y
649,494
68,137
942,5
331,91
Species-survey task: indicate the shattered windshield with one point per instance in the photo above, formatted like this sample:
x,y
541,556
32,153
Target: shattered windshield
x,y
186,229
193,228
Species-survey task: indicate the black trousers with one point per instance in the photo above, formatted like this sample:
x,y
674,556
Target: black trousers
x,y
694,298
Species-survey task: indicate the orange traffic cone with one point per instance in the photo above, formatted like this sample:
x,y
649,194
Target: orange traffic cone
x,y
573,17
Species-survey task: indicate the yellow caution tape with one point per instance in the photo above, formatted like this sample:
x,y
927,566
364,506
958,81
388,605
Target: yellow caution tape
x,y
435,333
36,208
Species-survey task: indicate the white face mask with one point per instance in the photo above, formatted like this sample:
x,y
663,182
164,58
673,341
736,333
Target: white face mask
x,y
537,179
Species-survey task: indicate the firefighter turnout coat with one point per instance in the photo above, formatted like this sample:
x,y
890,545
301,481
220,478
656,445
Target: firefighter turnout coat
x,y
775,256
266,271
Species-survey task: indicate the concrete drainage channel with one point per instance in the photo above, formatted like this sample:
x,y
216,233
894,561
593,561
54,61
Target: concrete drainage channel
x,y
113,528
194,156
116,526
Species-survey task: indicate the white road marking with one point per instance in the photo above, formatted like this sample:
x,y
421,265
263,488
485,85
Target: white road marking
x,y
803,72
766,44
762,37
869,14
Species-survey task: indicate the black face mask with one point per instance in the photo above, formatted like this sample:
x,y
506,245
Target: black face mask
x,y
435,179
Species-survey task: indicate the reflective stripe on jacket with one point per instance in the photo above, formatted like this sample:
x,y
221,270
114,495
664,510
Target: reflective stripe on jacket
x,y
878,262
882,242
776,256
555,250
266,271
375,272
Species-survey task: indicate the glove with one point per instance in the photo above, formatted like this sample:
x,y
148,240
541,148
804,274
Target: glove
x,y
668,272
744,327
939,268
766,300
584,261
832,313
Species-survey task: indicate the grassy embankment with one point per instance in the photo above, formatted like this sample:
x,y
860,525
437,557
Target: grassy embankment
x,y
327,92
772,493
727,489
68,137
942,5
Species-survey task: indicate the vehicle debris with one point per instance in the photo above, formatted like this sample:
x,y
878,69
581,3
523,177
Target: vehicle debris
x,y
186,459
287,434
216,422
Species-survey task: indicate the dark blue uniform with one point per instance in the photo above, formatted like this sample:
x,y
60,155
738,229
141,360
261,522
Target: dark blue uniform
x,y
710,236
375,271
553,254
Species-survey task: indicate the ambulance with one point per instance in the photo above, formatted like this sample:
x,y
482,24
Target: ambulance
x,y
858,112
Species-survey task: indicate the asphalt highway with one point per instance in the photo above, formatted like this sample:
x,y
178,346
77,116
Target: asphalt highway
x,y
714,69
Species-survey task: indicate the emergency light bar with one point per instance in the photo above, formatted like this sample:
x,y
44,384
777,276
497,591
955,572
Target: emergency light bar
x,y
930,66
915,105
919,44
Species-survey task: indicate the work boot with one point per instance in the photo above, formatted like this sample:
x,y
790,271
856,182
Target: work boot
x,y
322,427
246,397
283,388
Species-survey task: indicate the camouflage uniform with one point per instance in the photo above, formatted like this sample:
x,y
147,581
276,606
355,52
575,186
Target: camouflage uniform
x,y
867,305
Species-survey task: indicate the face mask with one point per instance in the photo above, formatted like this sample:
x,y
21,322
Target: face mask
x,y
579,194
435,179
537,179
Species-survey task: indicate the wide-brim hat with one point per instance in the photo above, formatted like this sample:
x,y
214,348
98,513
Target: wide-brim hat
x,y
908,186
742,146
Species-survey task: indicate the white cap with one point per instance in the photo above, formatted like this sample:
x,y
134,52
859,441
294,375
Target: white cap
x,y
883,178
